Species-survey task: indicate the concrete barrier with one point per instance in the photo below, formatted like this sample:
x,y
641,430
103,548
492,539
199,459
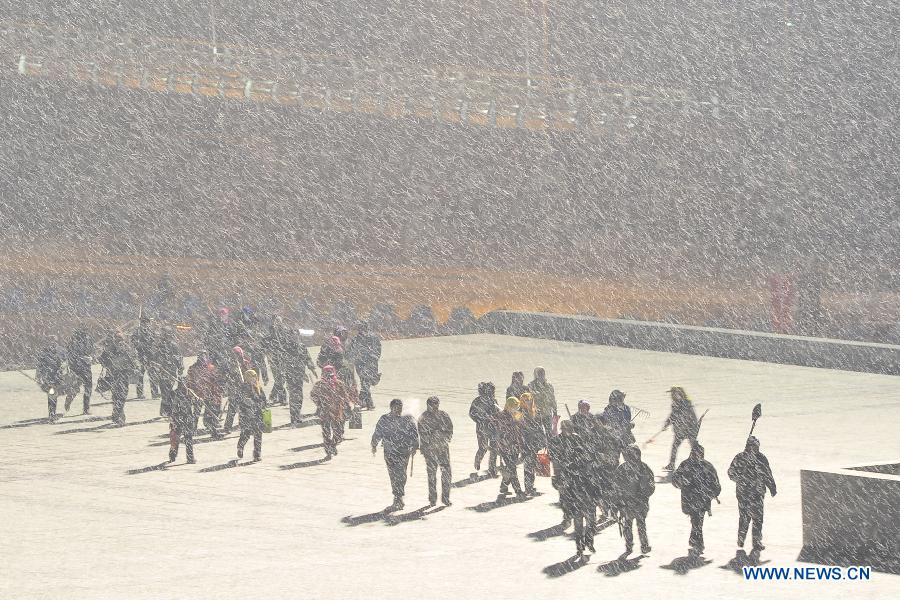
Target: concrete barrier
x,y
852,516
705,341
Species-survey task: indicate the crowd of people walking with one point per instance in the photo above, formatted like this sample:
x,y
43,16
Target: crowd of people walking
x,y
591,458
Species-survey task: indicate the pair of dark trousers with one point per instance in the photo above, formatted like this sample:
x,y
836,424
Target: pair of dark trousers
x,y
396,466
484,447
168,395
211,412
257,442
585,519
677,439
529,465
233,400
279,389
51,406
332,434
627,530
365,393
83,372
154,384
434,460
696,539
175,435
750,510
295,398
509,469
119,395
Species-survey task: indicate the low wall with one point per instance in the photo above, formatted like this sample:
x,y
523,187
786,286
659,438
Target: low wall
x,y
705,341
852,517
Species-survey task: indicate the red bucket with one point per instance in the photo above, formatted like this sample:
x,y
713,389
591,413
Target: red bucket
x,y
543,464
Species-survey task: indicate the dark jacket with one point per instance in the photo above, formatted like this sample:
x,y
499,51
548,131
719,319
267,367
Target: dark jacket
x,y
277,346
634,483
699,484
508,435
619,422
183,409
118,361
683,418
296,359
515,390
544,397
533,436
364,351
80,351
482,410
49,367
435,432
143,342
583,424
572,477
752,475
398,434
167,358
251,402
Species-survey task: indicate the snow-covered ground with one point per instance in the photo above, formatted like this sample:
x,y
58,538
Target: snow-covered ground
x,y
86,512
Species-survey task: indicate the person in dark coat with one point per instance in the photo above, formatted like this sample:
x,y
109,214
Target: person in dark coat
x,y
143,340
544,398
168,366
534,439
120,364
365,352
182,422
398,434
618,418
699,484
573,479
752,475
483,410
509,443
332,399
276,345
206,391
517,387
683,420
435,433
583,420
80,352
296,361
241,362
251,401
634,483
49,374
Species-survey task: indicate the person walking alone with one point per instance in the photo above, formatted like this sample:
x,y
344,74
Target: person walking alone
x,y
435,433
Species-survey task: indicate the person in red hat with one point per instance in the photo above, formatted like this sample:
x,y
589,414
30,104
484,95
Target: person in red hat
x,y
331,397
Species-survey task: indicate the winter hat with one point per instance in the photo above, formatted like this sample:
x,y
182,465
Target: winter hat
x,y
616,396
752,442
334,342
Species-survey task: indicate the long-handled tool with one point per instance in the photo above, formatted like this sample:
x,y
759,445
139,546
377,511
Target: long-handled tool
x,y
757,413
